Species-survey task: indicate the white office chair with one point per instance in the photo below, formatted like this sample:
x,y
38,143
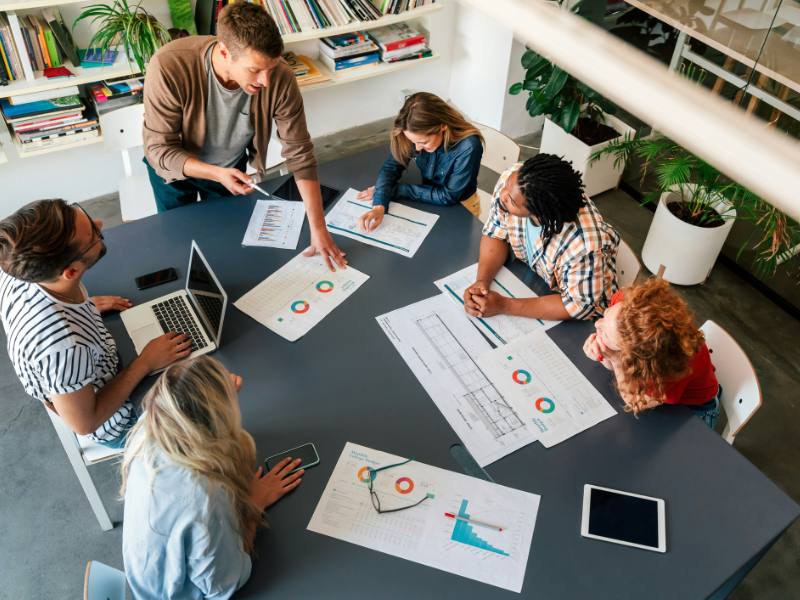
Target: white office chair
x,y
82,453
122,129
103,582
628,266
500,152
741,392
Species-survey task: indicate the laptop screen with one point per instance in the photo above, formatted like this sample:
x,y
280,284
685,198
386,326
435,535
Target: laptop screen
x,y
207,295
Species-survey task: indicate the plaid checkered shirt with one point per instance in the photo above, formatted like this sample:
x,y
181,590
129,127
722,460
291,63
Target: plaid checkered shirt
x,y
579,262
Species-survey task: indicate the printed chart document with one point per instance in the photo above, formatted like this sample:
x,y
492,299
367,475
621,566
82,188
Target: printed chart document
x,y
299,295
500,329
437,341
402,230
424,533
275,224
549,392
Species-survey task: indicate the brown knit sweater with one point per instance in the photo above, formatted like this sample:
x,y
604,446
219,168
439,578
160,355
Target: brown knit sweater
x,y
175,99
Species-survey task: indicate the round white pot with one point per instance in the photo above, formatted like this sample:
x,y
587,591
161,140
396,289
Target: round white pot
x,y
686,253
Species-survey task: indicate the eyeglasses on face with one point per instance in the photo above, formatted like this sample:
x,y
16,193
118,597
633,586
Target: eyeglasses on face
x,y
376,502
95,233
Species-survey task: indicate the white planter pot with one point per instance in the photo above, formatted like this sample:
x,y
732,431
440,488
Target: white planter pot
x,y
686,252
602,175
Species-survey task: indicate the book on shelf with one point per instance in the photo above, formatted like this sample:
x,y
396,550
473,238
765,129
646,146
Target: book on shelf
x,y
70,138
96,56
23,57
298,67
50,42
5,66
337,46
10,58
62,34
313,77
422,53
45,95
395,7
396,37
350,62
48,122
17,112
296,16
38,38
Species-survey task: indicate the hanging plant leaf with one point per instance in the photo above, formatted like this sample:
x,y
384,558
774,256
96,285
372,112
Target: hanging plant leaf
x,y
529,59
588,92
538,69
515,89
531,85
607,106
569,116
556,83
540,109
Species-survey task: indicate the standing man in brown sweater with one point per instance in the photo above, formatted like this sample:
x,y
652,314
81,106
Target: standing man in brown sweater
x,y
210,101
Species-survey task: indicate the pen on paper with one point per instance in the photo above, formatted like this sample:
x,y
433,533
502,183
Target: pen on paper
x,y
481,523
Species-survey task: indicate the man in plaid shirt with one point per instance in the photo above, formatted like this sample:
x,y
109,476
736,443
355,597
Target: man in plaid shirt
x,y
539,209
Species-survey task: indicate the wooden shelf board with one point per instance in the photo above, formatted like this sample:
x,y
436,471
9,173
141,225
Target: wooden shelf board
x,y
387,20
364,73
33,153
23,5
82,75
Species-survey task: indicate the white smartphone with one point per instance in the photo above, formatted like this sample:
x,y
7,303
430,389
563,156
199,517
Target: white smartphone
x,y
624,518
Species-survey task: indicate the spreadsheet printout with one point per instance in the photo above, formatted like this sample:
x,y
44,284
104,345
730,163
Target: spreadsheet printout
x,y
299,295
275,224
439,345
500,329
466,526
402,231
545,388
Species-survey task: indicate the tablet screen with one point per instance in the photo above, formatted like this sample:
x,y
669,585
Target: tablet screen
x,y
290,191
624,518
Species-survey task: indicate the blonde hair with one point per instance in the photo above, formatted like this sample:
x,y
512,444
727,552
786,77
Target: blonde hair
x,y
192,417
424,114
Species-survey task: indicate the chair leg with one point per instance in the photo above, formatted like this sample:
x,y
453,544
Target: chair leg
x,y
726,433
74,455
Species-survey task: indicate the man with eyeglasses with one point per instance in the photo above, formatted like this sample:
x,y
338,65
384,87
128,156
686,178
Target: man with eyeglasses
x,y
540,211
61,350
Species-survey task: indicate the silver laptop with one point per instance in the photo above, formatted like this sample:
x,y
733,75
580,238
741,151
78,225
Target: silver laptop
x,y
198,310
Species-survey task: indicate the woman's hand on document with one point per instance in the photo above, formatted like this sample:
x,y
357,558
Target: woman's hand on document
x,y
235,181
370,220
366,195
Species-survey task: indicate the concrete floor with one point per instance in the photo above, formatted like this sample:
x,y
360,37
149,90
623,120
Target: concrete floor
x,y
48,532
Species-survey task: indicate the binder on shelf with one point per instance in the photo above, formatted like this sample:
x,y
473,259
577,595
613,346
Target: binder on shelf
x,y
62,34
16,31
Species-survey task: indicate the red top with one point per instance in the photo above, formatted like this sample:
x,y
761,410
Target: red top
x,y
699,386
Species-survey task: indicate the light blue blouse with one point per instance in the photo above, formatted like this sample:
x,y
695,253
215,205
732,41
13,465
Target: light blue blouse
x,y
532,233
178,541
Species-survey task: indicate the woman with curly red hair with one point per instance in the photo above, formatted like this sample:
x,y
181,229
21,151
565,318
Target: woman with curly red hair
x,y
648,339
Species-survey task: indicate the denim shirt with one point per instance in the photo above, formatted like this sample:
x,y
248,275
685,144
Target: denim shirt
x,y
448,177
179,538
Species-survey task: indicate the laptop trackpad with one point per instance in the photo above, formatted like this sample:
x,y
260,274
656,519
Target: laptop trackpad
x,y
142,336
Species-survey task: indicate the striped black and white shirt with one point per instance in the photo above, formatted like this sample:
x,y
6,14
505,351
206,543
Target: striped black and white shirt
x,y
59,348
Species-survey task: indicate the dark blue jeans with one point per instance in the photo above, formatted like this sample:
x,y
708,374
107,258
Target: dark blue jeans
x,y
709,411
181,193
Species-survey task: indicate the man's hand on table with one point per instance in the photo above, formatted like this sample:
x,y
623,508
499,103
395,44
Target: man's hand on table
x,y
322,242
106,303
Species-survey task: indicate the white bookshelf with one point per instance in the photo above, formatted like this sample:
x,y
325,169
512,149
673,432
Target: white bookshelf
x,y
23,5
82,75
415,13
357,74
33,153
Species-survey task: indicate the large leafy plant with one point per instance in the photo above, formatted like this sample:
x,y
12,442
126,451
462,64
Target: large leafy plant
x,y
557,94
705,196
138,31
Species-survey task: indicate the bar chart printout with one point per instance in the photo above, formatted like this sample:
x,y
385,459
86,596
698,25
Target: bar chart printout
x,y
427,533
275,224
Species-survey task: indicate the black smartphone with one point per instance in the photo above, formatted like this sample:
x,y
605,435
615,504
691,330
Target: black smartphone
x,y
290,191
157,278
306,453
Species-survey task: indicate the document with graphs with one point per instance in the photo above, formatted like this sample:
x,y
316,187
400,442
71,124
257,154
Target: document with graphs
x,y
402,231
448,521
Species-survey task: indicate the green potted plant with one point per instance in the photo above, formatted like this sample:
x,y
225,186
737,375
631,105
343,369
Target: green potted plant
x,y
578,119
139,32
697,206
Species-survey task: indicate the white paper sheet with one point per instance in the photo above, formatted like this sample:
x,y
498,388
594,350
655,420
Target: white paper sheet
x,y
402,231
439,344
299,295
275,224
424,534
549,392
500,329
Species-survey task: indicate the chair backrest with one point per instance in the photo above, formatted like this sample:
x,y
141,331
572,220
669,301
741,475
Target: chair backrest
x,y
628,266
741,392
500,151
122,129
103,582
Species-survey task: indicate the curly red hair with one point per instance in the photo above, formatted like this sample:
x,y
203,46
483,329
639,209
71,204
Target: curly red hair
x,y
657,340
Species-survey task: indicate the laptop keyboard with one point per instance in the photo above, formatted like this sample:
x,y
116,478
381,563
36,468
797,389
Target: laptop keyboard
x,y
212,309
175,315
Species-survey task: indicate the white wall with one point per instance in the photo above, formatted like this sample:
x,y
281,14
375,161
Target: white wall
x,y
516,121
88,171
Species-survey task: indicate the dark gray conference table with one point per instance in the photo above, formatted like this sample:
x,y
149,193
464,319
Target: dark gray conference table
x,y
344,381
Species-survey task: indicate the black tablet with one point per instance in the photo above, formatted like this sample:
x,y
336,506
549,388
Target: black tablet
x,y
290,191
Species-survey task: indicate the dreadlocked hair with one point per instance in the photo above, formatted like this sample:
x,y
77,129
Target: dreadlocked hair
x,y
553,192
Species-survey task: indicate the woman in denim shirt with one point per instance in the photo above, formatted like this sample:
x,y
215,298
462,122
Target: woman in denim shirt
x,y
447,149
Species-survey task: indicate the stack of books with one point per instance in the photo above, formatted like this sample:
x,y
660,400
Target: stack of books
x,y
305,70
112,94
395,7
400,42
49,119
348,51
